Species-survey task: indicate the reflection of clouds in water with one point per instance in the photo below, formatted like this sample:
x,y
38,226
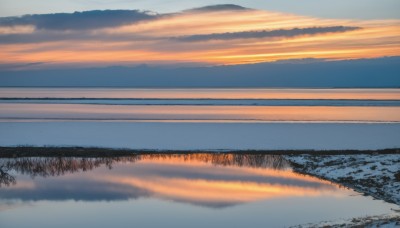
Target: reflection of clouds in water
x,y
211,180
77,189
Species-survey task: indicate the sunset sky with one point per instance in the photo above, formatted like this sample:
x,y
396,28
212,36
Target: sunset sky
x,y
71,33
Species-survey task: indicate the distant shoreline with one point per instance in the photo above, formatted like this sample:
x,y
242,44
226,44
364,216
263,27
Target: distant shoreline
x,y
28,151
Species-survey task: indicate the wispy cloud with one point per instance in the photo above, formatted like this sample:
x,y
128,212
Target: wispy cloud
x,y
212,35
272,33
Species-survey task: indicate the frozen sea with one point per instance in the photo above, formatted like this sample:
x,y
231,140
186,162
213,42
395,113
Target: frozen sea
x,y
201,119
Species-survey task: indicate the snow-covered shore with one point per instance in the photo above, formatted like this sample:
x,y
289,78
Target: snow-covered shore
x,y
202,135
387,221
376,175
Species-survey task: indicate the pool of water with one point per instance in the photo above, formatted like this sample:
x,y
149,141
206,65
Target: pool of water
x,y
171,190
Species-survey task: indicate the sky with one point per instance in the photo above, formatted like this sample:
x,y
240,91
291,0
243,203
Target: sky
x,y
360,9
106,33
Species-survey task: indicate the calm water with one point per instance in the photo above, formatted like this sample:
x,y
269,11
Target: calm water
x,y
201,119
102,104
159,190
368,94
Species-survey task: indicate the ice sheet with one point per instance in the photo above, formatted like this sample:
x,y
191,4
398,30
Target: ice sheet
x,y
202,136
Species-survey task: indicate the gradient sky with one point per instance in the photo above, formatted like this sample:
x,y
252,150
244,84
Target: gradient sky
x,y
365,9
171,34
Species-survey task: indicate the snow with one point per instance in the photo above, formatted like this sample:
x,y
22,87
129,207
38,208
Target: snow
x,y
371,174
203,135
382,221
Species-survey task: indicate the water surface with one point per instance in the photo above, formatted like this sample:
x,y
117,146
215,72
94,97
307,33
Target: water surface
x,y
195,113
221,93
167,190
241,105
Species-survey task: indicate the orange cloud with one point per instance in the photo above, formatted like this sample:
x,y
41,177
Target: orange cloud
x,y
158,40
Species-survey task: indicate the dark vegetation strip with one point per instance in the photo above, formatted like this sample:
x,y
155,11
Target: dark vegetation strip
x,y
26,151
183,99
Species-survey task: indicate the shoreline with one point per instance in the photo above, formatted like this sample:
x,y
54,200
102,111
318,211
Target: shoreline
x,y
376,175
390,220
52,151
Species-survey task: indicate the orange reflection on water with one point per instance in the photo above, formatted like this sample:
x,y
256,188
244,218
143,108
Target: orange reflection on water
x,y
218,183
247,165
188,112
214,180
254,93
218,191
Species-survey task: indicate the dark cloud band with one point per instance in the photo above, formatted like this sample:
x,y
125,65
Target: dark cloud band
x,y
222,7
263,34
79,20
